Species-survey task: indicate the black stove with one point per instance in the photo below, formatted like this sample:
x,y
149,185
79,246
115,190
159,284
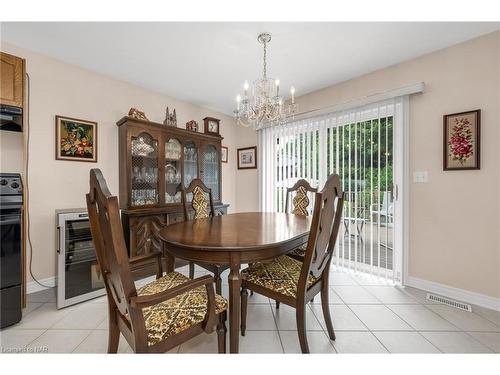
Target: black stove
x,y
11,210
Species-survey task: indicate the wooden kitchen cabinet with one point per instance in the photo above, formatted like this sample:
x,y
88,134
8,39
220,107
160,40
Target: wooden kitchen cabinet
x,y
12,80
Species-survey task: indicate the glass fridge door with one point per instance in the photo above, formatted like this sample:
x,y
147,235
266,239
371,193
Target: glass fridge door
x,y
79,274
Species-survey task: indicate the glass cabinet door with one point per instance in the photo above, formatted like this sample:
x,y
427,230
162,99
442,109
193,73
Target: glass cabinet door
x,y
173,151
144,149
190,164
211,170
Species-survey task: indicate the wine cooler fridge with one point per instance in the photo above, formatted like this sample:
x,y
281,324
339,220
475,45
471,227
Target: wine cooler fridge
x,y
79,277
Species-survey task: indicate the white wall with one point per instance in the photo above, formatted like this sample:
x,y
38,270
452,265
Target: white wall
x,y
61,89
455,217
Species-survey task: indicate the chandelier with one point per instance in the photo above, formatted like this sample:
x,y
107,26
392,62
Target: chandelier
x,y
264,106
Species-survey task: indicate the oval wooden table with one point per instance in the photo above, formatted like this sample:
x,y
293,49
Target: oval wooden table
x,y
235,239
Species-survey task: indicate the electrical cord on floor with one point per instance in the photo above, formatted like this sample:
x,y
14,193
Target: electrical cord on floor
x,y
26,185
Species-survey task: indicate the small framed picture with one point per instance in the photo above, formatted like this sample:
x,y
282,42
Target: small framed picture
x,y
224,154
461,140
247,158
76,139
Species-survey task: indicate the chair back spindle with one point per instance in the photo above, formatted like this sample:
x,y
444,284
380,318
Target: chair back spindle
x,y
300,201
201,207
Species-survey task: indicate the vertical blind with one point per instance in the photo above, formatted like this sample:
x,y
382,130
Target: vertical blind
x,y
358,145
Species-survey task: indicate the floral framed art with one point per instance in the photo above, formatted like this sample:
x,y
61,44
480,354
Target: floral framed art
x,y
247,158
461,140
76,139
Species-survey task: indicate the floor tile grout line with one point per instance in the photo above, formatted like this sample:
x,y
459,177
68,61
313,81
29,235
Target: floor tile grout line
x,y
442,317
277,328
472,312
36,338
464,332
488,319
81,342
376,338
476,340
395,312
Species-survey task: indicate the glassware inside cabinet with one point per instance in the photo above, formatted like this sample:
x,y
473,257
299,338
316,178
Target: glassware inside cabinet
x,y
211,170
173,149
190,164
144,149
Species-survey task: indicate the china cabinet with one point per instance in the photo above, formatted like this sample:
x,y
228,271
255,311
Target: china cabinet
x,y
155,161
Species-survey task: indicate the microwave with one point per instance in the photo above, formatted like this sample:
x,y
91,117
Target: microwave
x,y
11,118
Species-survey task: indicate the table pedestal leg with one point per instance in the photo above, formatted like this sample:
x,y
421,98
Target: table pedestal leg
x,y
169,262
234,303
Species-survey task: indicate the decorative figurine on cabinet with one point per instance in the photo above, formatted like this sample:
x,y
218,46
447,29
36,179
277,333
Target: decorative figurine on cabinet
x,y
211,125
170,119
192,125
135,113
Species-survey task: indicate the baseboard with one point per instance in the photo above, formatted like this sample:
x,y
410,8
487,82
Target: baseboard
x,y
33,286
455,293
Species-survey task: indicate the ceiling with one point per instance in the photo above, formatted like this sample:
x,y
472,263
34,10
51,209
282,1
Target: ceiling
x,y
207,63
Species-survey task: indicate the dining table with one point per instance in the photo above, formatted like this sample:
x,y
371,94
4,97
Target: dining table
x,y
233,240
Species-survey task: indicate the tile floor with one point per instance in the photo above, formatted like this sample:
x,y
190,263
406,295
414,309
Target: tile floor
x,y
369,317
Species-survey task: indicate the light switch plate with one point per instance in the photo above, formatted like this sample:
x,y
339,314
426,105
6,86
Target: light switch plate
x,y
420,177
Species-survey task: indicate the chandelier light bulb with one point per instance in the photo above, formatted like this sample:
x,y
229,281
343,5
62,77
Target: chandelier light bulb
x,y
238,100
245,86
292,91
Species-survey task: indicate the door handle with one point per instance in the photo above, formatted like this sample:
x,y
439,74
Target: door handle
x,y
58,239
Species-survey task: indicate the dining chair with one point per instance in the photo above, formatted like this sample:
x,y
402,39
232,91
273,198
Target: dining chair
x,y
165,312
202,208
293,282
300,207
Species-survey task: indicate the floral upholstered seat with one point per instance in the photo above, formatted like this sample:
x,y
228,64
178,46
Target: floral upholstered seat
x,y
179,313
280,275
299,252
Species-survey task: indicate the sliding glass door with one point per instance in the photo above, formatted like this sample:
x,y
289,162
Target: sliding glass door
x,y
359,145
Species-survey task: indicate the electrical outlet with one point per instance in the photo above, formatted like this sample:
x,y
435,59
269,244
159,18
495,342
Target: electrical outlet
x,y
420,177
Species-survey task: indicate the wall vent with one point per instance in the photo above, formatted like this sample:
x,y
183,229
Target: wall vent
x,y
449,302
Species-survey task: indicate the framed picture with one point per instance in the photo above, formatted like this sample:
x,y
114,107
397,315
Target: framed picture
x,y
76,139
247,158
224,154
461,140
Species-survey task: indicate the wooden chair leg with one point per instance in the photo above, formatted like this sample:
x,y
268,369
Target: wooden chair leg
x,y
326,311
244,304
301,328
277,304
221,333
218,283
191,270
250,265
113,333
